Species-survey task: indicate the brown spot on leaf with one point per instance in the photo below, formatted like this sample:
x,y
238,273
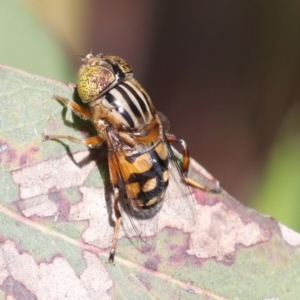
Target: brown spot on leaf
x,y
145,281
61,202
34,149
11,157
13,287
153,262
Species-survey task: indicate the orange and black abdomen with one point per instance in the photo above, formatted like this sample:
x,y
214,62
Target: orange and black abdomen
x,y
146,177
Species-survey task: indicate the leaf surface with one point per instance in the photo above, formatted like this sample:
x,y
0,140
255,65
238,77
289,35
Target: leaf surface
x,y
56,225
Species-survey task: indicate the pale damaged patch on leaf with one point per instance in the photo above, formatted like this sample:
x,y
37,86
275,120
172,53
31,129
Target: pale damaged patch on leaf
x,y
95,277
290,236
56,279
93,208
36,181
220,229
40,206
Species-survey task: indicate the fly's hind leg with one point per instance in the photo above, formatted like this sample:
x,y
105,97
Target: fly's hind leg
x,y
172,139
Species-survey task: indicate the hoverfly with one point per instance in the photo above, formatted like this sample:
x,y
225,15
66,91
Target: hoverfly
x,y
139,152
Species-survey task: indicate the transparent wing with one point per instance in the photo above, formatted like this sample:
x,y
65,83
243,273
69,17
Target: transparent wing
x,y
164,121
179,204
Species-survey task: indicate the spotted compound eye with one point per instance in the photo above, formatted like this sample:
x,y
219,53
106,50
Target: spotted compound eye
x,y
93,80
120,62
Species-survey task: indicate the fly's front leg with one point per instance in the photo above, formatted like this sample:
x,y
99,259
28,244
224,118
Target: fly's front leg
x,y
90,142
83,113
172,139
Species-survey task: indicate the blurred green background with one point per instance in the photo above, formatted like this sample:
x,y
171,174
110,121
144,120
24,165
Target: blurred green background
x,y
225,73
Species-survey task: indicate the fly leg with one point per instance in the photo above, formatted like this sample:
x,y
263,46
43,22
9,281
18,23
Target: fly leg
x,y
90,142
114,180
112,252
172,139
81,112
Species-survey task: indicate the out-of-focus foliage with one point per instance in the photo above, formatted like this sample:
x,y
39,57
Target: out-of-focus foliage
x,y
279,193
67,20
28,44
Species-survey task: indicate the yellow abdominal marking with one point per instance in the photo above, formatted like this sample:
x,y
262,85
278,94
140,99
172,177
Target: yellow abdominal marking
x,y
143,163
152,201
140,165
161,151
166,175
132,190
150,185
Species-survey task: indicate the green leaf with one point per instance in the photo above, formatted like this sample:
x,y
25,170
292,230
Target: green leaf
x,y
278,194
56,230
27,44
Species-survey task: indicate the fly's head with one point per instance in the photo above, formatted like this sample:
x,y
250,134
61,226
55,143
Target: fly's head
x,y
99,74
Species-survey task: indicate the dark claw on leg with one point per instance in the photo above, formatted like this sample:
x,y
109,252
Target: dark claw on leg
x,y
111,257
45,137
